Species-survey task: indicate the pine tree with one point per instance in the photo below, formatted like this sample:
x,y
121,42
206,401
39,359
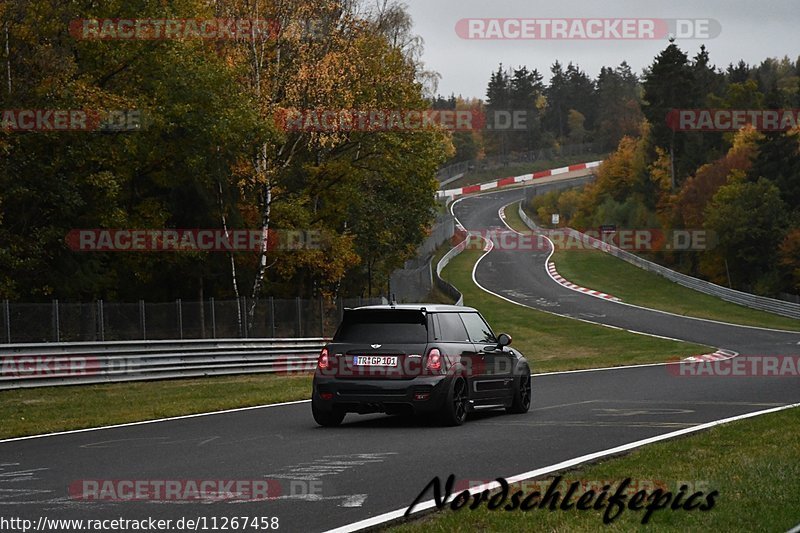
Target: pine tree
x,y
669,84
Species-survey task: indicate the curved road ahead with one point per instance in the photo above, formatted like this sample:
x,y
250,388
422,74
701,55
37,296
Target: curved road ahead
x,y
521,276
376,464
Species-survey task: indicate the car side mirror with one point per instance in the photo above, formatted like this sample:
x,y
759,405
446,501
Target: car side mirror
x,y
504,339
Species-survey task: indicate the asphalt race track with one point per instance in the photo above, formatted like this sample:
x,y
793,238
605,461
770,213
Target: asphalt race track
x,y
376,464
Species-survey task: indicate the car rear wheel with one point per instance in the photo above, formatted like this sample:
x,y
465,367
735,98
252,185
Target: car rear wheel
x,y
521,401
326,417
454,411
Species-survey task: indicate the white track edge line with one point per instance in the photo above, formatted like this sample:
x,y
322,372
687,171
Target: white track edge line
x,y
475,281
264,406
565,282
152,421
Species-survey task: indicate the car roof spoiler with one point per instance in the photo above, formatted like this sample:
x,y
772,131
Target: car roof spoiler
x,y
423,309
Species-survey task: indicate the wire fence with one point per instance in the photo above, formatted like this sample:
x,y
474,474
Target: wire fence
x,y
182,319
414,281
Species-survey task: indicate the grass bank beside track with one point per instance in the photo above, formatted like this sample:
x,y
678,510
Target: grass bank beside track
x,y
50,409
751,463
600,271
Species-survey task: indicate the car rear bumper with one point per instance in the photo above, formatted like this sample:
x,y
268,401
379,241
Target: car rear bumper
x,y
423,394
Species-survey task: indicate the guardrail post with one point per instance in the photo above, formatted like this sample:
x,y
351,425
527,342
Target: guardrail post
x,y
7,320
213,320
272,316
239,316
180,318
56,325
244,318
321,317
101,320
299,318
142,320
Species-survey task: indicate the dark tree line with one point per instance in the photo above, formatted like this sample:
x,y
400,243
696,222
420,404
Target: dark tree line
x,y
742,188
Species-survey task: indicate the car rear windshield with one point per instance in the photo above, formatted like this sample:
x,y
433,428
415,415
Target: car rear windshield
x,y
383,327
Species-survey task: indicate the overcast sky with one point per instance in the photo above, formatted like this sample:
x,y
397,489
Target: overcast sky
x,y
750,30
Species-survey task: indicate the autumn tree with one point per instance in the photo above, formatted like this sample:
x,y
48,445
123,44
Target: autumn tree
x,y
748,220
619,104
212,154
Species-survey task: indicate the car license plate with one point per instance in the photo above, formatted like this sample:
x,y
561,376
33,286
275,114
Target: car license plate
x,y
375,360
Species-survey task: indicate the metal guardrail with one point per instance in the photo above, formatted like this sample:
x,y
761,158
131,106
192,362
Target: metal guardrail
x,y
78,363
444,286
446,174
753,301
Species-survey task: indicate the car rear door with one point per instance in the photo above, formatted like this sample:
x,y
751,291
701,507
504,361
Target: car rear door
x,y
452,338
495,382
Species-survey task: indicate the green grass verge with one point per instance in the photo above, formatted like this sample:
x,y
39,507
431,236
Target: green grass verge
x,y
511,213
751,463
49,409
603,272
435,296
557,343
481,176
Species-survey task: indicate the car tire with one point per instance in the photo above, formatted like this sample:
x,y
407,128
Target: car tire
x,y
326,417
454,410
521,399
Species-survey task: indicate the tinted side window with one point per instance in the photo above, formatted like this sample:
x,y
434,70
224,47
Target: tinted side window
x,y
451,329
478,330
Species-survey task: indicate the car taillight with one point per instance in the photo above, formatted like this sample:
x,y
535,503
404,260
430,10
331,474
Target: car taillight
x,y
434,361
323,362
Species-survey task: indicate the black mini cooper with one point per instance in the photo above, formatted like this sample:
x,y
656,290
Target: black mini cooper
x,y
435,359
